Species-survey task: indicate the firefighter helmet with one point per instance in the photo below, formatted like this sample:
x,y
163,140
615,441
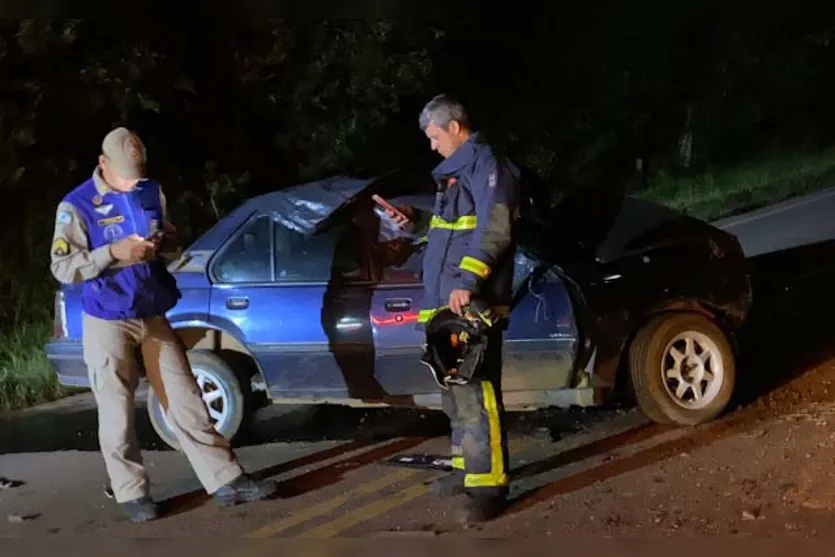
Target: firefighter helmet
x,y
456,344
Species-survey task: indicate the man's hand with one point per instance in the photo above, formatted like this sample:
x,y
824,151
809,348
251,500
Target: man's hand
x,y
170,232
458,299
169,239
133,249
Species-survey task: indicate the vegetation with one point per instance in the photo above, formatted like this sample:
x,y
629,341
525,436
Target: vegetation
x,y
723,192
232,109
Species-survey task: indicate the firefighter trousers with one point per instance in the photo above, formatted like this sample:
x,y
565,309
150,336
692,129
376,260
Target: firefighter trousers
x,y
110,354
479,435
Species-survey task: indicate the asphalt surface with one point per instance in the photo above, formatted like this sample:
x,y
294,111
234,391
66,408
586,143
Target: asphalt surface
x,y
764,469
797,222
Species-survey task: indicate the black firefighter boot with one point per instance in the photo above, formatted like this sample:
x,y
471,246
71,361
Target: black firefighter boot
x,y
482,505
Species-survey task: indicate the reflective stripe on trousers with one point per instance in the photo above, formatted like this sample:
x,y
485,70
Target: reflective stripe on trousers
x,y
478,433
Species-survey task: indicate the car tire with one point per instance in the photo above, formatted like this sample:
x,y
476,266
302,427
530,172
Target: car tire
x,y
215,374
677,346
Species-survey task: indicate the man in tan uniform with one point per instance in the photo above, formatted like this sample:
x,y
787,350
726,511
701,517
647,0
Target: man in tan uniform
x,y
109,233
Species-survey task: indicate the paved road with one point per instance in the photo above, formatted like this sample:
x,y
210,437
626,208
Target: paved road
x,y
599,473
793,223
333,481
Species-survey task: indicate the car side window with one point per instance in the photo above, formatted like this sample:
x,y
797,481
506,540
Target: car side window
x,y
247,258
400,261
328,255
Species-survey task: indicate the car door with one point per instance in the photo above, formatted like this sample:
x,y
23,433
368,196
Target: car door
x,y
300,304
394,312
539,346
542,340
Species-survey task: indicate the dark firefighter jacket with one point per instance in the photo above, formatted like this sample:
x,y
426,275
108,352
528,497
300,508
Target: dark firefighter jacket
x,y
470,240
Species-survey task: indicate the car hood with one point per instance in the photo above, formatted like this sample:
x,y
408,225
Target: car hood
x,y
310,207
595,224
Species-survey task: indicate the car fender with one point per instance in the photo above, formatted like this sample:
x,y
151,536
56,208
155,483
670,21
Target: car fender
x,y
215,342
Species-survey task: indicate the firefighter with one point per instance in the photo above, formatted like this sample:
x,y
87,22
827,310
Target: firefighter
x,y
469,257
109,233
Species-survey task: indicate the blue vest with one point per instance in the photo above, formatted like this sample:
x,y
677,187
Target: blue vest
x,y
141,290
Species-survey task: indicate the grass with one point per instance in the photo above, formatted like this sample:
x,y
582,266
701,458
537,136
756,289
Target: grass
x,y
26,377
26,296
724,192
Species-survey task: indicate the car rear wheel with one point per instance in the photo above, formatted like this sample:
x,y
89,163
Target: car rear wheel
x,y
221,392
682,369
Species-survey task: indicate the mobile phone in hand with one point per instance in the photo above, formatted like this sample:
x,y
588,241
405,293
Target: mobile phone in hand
x,y
391,209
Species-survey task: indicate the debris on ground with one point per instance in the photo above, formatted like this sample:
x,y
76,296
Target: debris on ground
x,y
17,518
752,514
6,483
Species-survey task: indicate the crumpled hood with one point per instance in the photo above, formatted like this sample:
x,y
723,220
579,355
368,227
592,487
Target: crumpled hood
x,y
308,207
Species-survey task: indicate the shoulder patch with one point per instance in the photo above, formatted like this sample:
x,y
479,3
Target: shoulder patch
x,y
60,247
64,217
491,180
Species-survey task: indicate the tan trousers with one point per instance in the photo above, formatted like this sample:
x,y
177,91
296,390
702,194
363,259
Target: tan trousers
x,y
111,359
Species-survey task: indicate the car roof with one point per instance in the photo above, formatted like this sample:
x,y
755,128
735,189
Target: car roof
x,y
305,207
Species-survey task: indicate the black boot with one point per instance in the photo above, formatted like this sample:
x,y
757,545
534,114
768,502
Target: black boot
x,y
243,489
143,509
482,506
449,485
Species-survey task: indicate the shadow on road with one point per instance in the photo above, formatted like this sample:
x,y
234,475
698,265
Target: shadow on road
x,y
72,425
792,326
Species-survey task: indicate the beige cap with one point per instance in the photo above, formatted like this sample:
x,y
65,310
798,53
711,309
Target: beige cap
x,y
126,153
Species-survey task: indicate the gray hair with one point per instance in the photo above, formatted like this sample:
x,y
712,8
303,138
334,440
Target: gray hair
x,y
442,110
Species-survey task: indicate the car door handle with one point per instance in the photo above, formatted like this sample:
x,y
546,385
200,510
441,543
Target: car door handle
x,y
237,303
398,304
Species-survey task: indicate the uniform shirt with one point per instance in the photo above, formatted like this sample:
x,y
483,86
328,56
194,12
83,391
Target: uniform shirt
x,y
88,220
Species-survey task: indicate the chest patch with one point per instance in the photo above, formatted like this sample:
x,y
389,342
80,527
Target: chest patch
x,y
104,209
111,220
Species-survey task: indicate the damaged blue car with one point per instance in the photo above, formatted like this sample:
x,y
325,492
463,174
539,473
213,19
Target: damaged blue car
x,y
310,295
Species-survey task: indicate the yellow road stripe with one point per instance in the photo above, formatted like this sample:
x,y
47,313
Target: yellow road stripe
x,y
367,512
330,505
380,506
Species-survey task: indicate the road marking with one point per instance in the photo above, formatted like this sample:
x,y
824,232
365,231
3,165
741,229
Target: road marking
x,y
376,508
386,504
332,504
380,506
333,473
365,513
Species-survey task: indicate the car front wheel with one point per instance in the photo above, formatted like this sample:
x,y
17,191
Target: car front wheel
x,y
682,369
221,392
